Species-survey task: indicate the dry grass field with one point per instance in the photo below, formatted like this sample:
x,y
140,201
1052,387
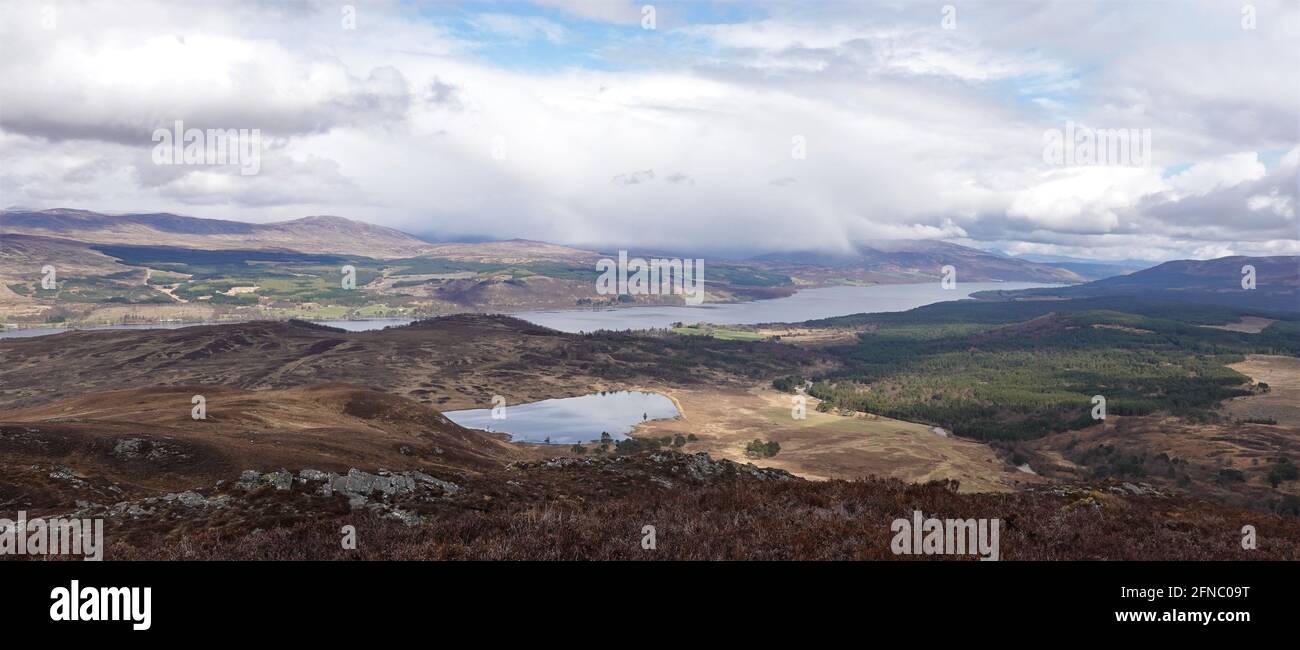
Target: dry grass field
x,y
1282,402
827,446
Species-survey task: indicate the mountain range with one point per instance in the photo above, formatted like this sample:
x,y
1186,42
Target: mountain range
x,y
159,266
886,261
1222,281
318,234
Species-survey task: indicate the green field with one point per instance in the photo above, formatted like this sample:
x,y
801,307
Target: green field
x,y
718,333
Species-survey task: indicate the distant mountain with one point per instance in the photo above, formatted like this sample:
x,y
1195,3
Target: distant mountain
x,y
1131,265
307,235
1093,271
511,251
1215,282
1090,269
923,259
882,262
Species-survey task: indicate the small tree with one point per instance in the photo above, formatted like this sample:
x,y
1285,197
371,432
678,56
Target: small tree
x,y
759,449
1283,471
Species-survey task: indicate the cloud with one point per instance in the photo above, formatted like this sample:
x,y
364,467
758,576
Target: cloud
x,y
912,131
634,178
609,11
1273,202
121,91
1228,171
521,29
445,95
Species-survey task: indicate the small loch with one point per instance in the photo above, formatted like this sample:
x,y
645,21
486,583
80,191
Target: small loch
x,y
572,419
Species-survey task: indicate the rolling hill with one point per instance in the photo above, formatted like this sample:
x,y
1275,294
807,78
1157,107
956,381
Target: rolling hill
x,y
886,261
114,268
1211,282
308,234
917,261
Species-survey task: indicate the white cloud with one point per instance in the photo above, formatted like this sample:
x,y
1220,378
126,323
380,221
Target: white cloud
x,y
521,28
611,11
1227,171
912,131
1083,199
1273,202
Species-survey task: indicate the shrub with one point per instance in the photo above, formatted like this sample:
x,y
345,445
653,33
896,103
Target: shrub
x,y
1227,475
634,445
1283,471
1257,421
759,449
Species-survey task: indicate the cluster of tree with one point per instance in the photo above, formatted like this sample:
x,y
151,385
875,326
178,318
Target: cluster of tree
x,y
633,445
636,356
1107,461
1282,471
759,449
1257,421
1002,379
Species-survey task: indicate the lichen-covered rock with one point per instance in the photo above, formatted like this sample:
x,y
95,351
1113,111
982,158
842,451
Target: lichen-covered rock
x,y
128,448
446,486
248,479
191,499
312,475
282,480
358,482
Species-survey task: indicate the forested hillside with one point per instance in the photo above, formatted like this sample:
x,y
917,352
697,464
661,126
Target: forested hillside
x,y
1021,370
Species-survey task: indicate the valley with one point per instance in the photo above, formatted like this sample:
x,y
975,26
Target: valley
x,y
144,268
905,391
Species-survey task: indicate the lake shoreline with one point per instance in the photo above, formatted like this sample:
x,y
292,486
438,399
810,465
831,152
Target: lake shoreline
x,y
571,420
803,305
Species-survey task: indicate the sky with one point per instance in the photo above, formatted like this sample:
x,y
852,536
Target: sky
x,y
732,127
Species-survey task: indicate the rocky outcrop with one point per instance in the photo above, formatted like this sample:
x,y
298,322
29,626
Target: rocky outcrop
x,y
148,449
386,493
665,466
410,497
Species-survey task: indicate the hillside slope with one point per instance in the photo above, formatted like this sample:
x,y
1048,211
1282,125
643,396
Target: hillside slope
x,y
144,440
462,360
916,261
309,234
1211,282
